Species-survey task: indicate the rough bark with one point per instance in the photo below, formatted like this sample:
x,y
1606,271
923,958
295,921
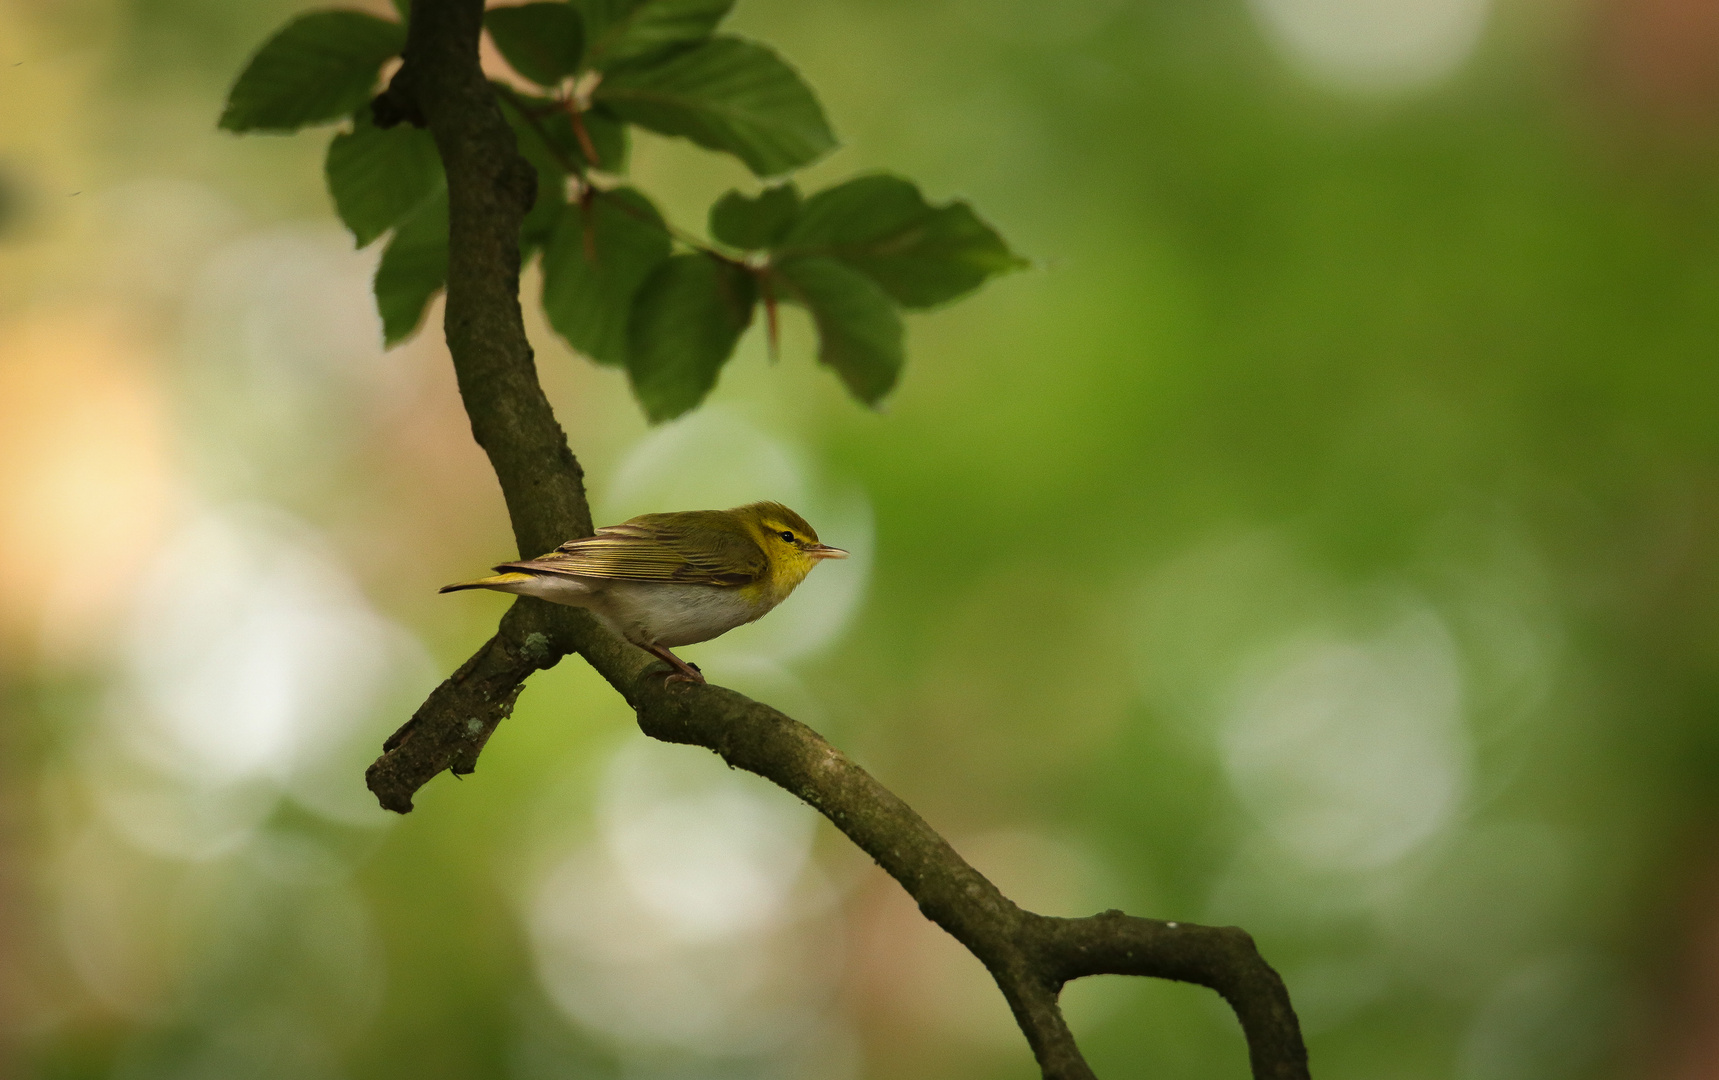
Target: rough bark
x,y
1031,956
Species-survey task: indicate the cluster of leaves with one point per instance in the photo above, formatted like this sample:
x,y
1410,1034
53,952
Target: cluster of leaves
x,y
619,283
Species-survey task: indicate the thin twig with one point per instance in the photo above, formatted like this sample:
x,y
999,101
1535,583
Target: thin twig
x,y
584,137
508,94
534,118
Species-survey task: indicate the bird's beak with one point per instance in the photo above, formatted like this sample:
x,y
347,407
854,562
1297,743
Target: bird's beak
x,y
824,551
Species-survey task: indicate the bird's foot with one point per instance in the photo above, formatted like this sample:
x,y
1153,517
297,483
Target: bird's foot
x,y
682,672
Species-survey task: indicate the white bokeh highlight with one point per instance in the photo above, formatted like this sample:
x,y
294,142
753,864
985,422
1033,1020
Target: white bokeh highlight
x,y
1351,751
702,848
284,365
1375,46
694,923
253,667
250,649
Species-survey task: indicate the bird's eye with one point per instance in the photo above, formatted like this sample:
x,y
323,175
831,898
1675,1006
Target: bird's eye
x,y
788,536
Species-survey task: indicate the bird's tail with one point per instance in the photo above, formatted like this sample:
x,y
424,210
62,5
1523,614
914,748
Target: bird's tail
x,y
498,581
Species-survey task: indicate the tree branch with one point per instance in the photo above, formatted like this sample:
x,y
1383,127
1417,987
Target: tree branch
x,y
1031,956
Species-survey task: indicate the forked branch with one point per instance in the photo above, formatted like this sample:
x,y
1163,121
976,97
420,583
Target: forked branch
x,y
1031,956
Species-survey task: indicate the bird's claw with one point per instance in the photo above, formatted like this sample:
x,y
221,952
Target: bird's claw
x,y
679,670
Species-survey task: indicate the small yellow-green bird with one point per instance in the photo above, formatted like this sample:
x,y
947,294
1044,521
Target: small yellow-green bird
x,y
662,580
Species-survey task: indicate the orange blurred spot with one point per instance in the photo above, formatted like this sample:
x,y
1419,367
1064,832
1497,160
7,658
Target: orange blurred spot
x,y
1665,52
85,480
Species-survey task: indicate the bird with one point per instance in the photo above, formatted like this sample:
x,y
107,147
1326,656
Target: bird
x,y
665,580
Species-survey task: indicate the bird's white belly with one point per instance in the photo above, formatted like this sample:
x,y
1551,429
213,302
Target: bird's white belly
x,y
649,613
671,615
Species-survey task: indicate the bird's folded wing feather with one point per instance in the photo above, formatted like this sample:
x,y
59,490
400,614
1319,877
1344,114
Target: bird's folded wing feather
x,y
632,552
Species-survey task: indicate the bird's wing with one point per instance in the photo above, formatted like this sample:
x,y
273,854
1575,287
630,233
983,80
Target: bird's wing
x,y
641,552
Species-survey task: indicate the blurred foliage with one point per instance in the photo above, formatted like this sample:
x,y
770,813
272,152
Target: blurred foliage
x,y
1322,541
611,287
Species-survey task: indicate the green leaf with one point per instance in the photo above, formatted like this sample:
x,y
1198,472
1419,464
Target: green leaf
x,y
318,67
588,299
378,176
550,125
539,223
606,134
729,95
752,223
403,8
859,330
622,31
540,220
922,255
413,270
544,42
608,137
686,320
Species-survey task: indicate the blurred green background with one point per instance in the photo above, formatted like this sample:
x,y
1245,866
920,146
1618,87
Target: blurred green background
x,y
1321,538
